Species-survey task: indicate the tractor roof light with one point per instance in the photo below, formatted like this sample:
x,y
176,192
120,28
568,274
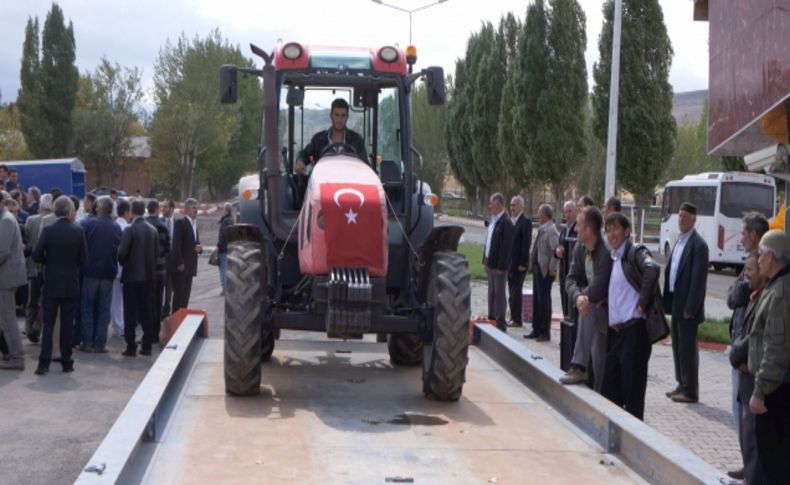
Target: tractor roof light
x,y
292,51
388,54
411,54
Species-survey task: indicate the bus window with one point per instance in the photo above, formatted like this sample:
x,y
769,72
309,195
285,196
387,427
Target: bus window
x,y
702,197
738,198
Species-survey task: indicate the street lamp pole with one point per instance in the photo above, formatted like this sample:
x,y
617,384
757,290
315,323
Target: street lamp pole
x,y
614,96
408,11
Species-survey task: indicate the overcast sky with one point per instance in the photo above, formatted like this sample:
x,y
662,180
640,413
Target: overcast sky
x,y
131,33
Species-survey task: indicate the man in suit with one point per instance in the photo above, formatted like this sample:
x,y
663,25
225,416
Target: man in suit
x,y
685,283
168,208
61,249
123,217
13,274
137,254
496,259
519,260
567,243
544,269
163,238
33,227
587,285
186,247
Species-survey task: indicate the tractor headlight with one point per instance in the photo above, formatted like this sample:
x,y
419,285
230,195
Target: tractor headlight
x,y
292,51
388,54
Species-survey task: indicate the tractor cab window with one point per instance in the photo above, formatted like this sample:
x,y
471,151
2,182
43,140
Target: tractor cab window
x,y
313,117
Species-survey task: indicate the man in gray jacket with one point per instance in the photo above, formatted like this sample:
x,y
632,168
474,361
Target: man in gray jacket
x,y
544,269
587,284
12,276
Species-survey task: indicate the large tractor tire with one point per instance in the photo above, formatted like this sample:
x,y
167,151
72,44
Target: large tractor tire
x,y
267,344
405,349
446,355
243,297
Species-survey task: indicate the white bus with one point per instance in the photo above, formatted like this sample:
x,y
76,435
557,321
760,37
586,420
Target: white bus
x,y
722,198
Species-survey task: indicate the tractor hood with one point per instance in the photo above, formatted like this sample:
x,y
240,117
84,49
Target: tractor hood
x,y
343,222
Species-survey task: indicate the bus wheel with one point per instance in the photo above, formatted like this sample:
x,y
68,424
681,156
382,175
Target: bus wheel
x,y
717,267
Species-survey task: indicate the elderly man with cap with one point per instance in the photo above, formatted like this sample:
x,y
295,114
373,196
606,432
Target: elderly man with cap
x,y
685,282
769,359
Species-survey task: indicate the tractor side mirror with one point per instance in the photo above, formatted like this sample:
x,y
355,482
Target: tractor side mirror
x,y
434,82
228,84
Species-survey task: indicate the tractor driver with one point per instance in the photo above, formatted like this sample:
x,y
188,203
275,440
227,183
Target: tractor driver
x,y
338,134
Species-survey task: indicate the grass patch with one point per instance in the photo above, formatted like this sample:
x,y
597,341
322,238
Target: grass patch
x,y
713,330
474,253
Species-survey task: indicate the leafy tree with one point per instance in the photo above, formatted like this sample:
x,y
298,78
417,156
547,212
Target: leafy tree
x,y
48,85
108,106
646,130
191,132
458,143
12,141
560,138
531,67
510,29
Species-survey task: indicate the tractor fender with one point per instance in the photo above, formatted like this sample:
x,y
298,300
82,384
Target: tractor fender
x,y
243,232
441,238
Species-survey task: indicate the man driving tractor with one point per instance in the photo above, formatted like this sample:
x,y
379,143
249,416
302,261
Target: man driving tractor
x,y
337,136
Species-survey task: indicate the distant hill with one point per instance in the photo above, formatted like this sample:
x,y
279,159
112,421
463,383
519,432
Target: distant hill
x,y
688,106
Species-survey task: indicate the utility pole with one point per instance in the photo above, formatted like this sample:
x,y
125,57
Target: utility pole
x,y
614,96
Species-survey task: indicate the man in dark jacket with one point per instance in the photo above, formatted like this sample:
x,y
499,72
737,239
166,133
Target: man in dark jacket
x,y
685,283
102,236
564,252
161,264
184,252
137,254
633,290
61,249
496,258
222,243
739,359
338,135
587,284
519,260
753,226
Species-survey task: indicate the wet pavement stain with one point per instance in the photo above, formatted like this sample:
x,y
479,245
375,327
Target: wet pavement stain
x,y
410,420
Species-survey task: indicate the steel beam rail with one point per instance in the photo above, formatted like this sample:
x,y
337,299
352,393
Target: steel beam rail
x,y
644,450
124,453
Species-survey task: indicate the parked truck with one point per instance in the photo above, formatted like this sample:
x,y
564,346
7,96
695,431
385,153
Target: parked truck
x,y
67,174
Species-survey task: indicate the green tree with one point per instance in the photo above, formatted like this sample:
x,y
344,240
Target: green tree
x,y
486,99
108,106
531,68
646,132
458,143
48,85
510,152
30,96
12,141
560,138
191,132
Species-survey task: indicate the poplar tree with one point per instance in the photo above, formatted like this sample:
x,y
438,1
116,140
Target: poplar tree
x,y
510,29
646,132
29,98
560,138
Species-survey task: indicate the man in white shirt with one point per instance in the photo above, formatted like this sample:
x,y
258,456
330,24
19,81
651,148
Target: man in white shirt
x,y
116,306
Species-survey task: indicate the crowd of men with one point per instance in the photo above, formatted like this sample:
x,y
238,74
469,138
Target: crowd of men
x,y
610,289
122,264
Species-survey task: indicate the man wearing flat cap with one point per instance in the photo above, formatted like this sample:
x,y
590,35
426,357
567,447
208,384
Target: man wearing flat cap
x,y
685,282
769,359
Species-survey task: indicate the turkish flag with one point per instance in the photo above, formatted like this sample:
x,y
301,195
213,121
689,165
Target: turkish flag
x,y
354,226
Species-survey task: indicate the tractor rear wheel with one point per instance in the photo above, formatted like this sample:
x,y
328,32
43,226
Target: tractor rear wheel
x,y
405,348
446,355
243,296
267,343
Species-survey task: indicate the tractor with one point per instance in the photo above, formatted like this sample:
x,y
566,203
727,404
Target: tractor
x,y
349,248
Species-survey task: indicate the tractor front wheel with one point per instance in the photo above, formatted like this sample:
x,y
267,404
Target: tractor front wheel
x,y
445,356
405,348
243,297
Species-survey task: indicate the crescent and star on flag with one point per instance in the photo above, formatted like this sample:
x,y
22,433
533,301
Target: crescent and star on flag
x,y
351,216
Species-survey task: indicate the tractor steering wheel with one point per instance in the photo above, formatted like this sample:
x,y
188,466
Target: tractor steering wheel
x,y
337,149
